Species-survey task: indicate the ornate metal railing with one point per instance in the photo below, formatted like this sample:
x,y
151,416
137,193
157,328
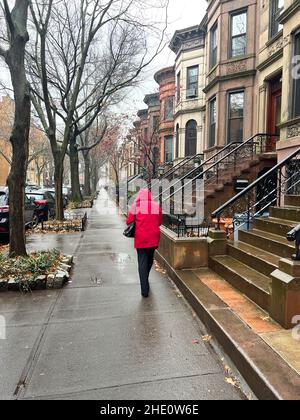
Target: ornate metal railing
x,y
185,228
222,163
294,236
256,199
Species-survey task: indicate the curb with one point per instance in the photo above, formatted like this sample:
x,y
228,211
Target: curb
x,y
267,374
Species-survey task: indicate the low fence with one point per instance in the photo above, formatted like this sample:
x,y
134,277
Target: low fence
x,y
185,227
73,221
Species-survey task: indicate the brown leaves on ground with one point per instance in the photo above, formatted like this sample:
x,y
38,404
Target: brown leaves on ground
x,y
56,226
206,338
4,248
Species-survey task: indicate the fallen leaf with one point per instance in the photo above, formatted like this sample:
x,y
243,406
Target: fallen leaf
x,y
206,338
195,342
231,381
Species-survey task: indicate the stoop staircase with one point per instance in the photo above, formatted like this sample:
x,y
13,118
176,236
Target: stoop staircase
x,y
258,236
219,172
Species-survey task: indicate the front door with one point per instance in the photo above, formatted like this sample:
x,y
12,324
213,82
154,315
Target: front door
x,y
274,117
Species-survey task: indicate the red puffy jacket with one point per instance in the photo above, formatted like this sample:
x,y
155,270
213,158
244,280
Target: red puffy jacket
x,y
147,215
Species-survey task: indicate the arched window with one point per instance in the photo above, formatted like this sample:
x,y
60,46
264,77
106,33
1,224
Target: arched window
x,y
177,140
191,138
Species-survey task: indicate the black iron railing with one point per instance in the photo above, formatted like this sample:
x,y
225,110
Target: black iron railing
x,y
294,236
267,191
215,169
186,228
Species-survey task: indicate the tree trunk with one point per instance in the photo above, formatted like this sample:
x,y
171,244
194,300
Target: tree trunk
x,y
15,58
74,166
58,180
87,174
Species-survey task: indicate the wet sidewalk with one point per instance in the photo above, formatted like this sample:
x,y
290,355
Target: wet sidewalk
x,y
97,338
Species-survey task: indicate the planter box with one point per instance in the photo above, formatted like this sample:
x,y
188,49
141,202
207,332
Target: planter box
x,y
183,253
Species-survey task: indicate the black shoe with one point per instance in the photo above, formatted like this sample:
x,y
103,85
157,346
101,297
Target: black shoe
x,y
145,295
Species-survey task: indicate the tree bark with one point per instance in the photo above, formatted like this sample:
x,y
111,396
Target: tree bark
x,y
87,174
74,166
15,59
58,180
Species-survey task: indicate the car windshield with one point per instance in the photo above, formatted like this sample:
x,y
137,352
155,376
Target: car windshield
x,y
33,196
3,199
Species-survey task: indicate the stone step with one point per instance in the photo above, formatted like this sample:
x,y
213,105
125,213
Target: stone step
x,y
285,213
269,242
253,284
272,225
292,200
254,257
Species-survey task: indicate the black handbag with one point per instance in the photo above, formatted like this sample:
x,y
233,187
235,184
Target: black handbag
x,y
129,232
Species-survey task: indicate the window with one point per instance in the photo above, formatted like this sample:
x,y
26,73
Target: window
x,y
177,140
212,122
296,80
178,87
238,34
191,138
155,124
192,82
168,149
146,134
276,7
169,108
156,158
213,47
236,117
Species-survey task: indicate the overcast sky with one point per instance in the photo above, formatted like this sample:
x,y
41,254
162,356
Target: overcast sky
x,y
182,14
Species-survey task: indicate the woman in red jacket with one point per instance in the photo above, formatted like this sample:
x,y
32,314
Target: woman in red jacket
x,y
147,216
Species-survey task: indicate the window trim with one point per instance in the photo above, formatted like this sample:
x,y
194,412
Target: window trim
x,y
178,90
295,81
171,138
166,118
196,66
228,119
214,29
272,22
210,145
189,130
232,15
177,146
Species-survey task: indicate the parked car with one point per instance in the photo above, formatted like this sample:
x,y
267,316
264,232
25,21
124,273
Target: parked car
x,y
67,191
45,203
31,218
51,193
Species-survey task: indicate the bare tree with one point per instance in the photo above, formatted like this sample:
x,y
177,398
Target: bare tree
x,y
13,53
90,49
147,150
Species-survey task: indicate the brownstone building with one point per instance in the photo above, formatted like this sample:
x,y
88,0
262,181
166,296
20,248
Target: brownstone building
x,y
167,88
230,88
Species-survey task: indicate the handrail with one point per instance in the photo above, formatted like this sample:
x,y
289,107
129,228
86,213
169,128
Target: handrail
x,y
254,184
196,169
236,149
180,164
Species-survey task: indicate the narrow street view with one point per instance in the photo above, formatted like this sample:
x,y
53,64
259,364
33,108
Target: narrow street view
x,y
149,202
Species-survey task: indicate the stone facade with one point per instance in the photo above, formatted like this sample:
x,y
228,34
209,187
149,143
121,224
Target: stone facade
x,y
167,88
228,73
189,47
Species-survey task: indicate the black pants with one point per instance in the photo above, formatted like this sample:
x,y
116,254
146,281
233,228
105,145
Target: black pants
x,y
145,259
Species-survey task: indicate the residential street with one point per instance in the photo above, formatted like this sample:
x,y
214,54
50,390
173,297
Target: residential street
x,y
97,338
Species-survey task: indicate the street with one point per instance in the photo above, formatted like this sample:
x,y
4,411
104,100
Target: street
x,y
97,338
